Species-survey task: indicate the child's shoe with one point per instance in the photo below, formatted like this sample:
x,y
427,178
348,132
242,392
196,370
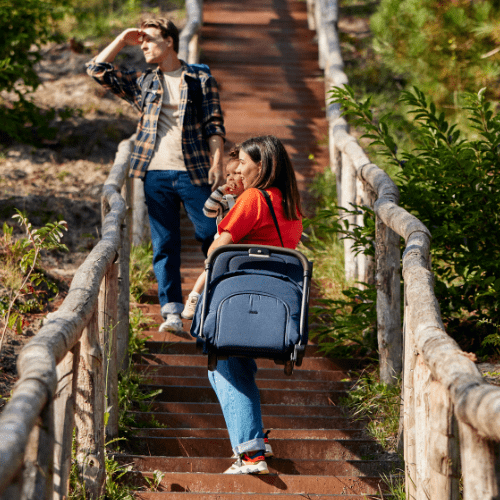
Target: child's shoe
x,y
253,464
172,323
190,307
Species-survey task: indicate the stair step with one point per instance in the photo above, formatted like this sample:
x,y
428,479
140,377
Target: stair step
x,y
272,483
308,363
267,396
210,420
305,449
263,373
149,495
214,465
291,385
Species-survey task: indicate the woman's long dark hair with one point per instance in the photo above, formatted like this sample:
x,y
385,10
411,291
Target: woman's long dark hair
x,y
276,171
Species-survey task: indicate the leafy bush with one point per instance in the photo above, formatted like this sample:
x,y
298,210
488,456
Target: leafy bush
x,y
20,282
344,318
24,28
439,45
452,184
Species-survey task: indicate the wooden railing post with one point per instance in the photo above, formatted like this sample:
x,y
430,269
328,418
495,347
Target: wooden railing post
x,y
64,420
422,382
348,200
39,458
122,327
410,359
388,302
89,416
365,197
443,451
108,309
478,457
140,221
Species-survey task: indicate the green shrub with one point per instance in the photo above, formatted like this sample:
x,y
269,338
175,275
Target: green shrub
x,y
24,28
451,183
439,45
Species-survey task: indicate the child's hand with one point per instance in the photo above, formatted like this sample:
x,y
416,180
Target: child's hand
x,y
224,188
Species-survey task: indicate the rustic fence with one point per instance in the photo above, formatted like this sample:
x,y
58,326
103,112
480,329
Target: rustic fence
x,y
68,373
451,421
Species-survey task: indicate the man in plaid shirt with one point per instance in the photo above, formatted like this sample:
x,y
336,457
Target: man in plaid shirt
x,y
178,147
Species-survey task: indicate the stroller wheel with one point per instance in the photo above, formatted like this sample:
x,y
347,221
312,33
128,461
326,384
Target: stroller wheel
x,y
212,361
288,367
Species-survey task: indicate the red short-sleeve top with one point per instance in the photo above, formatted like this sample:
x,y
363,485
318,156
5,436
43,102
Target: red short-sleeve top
x,y
250,221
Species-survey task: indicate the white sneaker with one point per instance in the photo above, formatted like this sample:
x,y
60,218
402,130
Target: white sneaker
x,y
190,307
247,465
173,323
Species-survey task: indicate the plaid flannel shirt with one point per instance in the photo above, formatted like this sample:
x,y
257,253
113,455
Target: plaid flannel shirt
x,y
199,107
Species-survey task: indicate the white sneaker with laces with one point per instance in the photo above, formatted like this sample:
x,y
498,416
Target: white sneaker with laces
x,y
190,307
173,323
246,465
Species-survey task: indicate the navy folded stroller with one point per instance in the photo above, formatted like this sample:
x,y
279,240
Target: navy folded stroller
x,y
255,304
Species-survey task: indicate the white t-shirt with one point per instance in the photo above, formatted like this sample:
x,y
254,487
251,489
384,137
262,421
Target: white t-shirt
x,y
167,154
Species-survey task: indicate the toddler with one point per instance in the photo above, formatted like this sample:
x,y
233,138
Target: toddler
x,y
217,205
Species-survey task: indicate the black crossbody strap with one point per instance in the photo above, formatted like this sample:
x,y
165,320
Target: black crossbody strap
x,y
271,208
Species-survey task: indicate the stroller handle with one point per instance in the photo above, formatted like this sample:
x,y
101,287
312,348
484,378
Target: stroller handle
x,y
306,265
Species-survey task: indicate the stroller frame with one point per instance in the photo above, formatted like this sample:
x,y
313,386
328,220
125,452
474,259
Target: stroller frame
x,y
260,252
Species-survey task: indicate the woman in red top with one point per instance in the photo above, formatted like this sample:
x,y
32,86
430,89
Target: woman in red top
x,y
264,164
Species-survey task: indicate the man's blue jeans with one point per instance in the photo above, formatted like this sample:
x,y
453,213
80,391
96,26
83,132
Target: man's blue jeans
x,y
164,191
234,383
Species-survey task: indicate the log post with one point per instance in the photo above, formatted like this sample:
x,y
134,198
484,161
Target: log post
x,y
348,199
140,223
311,20
421,382
122,327
108,297
365,263
410,357
64,420
443,451
89,417
39,458
478,458
388,302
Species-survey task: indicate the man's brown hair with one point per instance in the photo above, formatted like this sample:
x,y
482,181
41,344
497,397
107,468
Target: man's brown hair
x,y
167,28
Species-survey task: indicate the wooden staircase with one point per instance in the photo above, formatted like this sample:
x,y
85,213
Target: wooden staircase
x,y
265,61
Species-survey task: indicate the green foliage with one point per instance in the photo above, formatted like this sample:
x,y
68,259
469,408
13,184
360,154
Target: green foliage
x,y
451,183
24,28
130,393
380,404
116,488
20,286
141,270
344,318
439,45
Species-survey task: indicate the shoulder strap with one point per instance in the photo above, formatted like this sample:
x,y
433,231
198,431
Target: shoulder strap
x,y
271,208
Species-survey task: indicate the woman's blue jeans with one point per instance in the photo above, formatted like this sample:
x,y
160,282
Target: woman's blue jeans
x,y
164,191
234,383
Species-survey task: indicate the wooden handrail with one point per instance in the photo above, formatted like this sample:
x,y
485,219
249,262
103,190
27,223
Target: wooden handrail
x,y
451,414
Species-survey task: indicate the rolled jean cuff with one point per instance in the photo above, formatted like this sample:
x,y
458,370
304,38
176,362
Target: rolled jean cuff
x,y
172,308
252,445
